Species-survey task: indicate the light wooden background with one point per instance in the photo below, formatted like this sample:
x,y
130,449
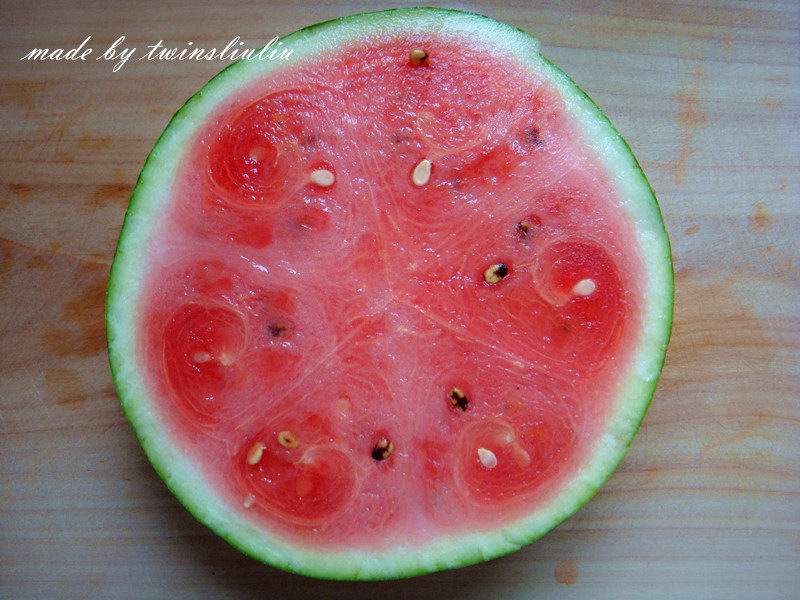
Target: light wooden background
x,y
707,502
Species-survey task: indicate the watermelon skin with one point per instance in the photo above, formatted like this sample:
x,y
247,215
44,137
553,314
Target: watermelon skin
x,y
184,478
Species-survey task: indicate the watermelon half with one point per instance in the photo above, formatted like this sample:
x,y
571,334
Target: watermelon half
x,y
393,305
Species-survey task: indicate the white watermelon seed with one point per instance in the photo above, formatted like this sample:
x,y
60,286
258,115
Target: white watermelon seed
x,y
322,177
495,273
225,359
249,500
255,453
422,173
201,357
584,287
458,399
287,439
487,458
383,449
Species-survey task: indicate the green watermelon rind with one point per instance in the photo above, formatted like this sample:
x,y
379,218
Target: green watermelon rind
x,y
187,482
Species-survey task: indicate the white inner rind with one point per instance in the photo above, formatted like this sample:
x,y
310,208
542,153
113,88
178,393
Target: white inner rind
x,y
149,200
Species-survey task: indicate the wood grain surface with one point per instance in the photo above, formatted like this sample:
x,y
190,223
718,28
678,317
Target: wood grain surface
x,y
707,502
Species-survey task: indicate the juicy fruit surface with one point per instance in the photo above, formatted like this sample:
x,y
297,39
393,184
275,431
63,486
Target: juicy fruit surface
x,y
291,329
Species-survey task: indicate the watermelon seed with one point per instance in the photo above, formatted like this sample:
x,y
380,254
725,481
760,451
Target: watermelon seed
x,y
487,458
249,500
225,359
201,357
322,177
459,399
495,273
255,453
278,328
418,56
382,450
584,287
422,173
287,439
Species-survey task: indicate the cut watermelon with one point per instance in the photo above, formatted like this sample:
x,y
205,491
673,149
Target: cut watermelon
x,y
397,304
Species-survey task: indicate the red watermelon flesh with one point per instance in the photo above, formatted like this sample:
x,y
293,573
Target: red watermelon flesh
x,y
304,325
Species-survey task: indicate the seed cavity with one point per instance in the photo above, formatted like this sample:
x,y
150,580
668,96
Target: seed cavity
x,y
422,173
255,453
418,56
506,437
341,409
279,328
382,449
201,357
257,153
521,457
287,439
496,273
458,399
322,177
487,458
307,139
533,136
584,287
528,225
249,500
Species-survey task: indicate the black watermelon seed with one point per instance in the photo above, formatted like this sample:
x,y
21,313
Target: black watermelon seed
x,y
382,450
458,399
495,273
279,328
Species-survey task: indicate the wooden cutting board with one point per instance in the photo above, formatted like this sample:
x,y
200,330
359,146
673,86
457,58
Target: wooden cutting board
x,y
707,502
